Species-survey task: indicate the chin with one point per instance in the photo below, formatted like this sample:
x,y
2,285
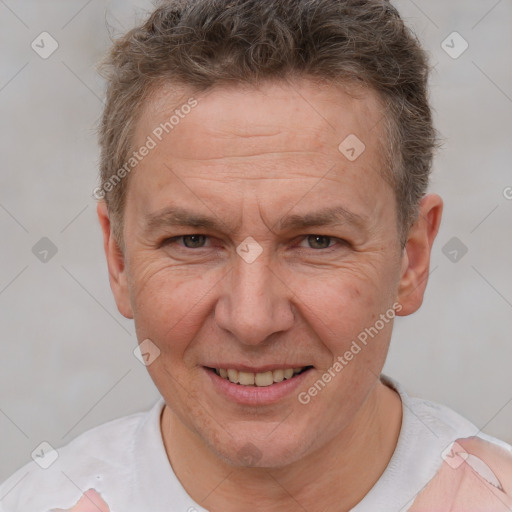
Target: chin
x,y
262,452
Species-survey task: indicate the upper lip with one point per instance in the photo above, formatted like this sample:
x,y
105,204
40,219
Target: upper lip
x,y
255,369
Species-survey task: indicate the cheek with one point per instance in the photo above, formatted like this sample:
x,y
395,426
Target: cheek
x,y
167,304
337,302
343,307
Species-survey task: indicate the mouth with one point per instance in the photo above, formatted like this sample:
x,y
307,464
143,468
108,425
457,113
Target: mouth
x,y
259,379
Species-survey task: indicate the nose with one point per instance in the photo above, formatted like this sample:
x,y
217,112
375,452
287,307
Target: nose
x,y
255,302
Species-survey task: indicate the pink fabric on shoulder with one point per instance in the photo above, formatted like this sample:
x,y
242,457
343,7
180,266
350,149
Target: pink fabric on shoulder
x,y
91,501
476,476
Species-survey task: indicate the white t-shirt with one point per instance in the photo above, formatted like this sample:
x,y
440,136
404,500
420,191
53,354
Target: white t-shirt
x,y
126,462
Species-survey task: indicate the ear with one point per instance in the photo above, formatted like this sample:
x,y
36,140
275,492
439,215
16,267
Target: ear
x,y
116,263
416,255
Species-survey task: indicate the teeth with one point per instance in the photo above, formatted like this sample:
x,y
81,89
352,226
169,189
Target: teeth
x,y
257,379
233,376
264,379
278,375
246,378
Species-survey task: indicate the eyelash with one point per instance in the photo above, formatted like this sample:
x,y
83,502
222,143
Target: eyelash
x,y
172,240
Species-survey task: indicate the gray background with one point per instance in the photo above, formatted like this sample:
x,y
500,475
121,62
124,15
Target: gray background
x,y
67,360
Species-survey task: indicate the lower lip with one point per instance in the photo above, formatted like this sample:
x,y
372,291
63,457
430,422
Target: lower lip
x,y
256,395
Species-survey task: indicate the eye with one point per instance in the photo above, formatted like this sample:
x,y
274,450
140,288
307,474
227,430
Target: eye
x,y
320,241
195,241
199,241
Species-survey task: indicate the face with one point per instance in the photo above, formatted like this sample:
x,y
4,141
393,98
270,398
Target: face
x,y
254,245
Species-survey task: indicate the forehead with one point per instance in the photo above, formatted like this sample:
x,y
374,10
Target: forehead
x,y
250,151
300,115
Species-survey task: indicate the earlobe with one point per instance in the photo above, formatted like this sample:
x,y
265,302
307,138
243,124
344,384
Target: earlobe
x,y
416,257
115,262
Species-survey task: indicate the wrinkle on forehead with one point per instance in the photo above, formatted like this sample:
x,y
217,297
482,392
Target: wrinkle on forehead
x,y
241,115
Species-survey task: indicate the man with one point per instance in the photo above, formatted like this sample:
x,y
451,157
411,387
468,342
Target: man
x,y
265,218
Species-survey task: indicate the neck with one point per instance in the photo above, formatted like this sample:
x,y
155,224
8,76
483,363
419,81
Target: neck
x,y
334,478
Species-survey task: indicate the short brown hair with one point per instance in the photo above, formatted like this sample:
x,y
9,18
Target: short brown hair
x,y
200,44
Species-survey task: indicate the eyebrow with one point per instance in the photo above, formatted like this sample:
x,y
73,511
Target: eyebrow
x,y
178,216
